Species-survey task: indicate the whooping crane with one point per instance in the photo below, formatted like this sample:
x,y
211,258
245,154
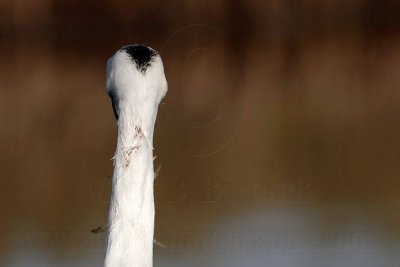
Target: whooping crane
x,y
136,84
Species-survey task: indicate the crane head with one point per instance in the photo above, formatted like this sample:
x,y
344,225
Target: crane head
x,y
135,79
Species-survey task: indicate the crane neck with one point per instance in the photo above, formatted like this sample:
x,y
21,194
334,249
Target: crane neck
x,y
131,217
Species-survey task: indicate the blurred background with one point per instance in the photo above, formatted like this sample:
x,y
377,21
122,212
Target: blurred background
x,y
278,138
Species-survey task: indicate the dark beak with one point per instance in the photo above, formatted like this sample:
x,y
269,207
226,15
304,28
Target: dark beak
x,y
114,102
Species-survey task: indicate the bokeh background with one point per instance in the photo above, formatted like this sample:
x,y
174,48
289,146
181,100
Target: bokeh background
x,y
278,139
